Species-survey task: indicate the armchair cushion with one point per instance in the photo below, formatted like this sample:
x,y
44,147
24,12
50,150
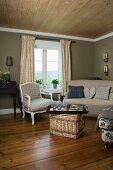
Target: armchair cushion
x,y
42,104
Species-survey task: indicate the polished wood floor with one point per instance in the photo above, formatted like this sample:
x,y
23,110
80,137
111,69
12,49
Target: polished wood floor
x,y
27,147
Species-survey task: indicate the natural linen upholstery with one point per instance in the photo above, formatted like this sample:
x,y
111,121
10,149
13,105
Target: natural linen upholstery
x,y
32,101
95,105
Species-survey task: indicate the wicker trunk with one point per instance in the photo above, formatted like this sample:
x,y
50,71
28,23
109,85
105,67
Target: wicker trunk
x,y
67,125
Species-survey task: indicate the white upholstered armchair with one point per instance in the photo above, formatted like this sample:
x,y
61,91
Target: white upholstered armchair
x,y
32,101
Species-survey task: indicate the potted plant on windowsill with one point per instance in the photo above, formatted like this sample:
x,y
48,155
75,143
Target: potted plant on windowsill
x,y
39,81
55,82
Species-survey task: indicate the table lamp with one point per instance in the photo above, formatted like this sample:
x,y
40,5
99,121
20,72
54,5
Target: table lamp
x,y
9,62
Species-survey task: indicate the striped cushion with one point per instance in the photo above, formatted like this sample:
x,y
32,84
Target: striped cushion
x,y
102,93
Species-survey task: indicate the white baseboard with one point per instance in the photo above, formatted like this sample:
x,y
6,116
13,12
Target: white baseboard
x,y
8,111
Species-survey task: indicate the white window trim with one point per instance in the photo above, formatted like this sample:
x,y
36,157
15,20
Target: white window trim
x,y
44,44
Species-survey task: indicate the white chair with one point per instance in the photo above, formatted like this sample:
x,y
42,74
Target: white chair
x,y
32,101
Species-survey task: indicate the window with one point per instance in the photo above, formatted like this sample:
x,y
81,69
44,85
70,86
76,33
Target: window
x,y
47,61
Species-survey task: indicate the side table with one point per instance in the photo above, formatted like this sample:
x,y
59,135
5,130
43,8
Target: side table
x,y
10,89
66,121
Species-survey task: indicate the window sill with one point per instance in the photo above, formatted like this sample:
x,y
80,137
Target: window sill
x,y
58,90
50,92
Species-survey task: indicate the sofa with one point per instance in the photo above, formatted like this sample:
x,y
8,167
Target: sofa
x,y
97,95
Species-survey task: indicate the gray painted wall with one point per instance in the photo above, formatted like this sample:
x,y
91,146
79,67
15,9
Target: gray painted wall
x,y
99,48
10,44
82,59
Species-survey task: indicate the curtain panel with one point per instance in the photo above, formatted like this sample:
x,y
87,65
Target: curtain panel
x,y
66,65
27,59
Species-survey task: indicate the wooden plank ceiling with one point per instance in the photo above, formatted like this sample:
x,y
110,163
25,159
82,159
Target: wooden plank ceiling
x,y
85,18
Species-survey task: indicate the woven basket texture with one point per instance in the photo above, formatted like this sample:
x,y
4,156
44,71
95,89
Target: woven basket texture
x,y
66,125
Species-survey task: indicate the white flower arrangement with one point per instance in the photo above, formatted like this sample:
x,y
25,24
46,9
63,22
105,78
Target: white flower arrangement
x,y
4,75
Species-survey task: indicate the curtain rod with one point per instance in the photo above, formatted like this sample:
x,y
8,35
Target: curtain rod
x,y
53,39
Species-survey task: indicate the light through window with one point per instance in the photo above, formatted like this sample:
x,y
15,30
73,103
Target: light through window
x,y
52,65
38,64
47,62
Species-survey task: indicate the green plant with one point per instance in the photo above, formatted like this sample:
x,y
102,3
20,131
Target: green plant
x,y
39,81
4,76
55,81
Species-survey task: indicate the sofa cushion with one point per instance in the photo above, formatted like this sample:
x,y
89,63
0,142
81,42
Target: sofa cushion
x,y
102,92
92,92
76,92
86,92
89,92
87,101
111,96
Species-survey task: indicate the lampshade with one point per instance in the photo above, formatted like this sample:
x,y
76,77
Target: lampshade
x,y
9,61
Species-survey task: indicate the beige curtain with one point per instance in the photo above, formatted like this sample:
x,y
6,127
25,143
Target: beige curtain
x,y
66,65
27,60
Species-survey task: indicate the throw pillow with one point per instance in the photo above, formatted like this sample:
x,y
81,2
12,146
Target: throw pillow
x,y
102,93
111,96
86,92
76,92
89,93
92,92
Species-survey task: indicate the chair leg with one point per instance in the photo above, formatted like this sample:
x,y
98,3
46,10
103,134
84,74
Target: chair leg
x,y
32,118
108,145
23,113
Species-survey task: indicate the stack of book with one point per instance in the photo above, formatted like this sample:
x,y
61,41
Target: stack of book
x,y
77,107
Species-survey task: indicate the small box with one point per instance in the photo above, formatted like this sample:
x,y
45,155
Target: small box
x,y
67,125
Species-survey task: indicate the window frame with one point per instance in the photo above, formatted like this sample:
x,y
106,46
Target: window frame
x,y
48,45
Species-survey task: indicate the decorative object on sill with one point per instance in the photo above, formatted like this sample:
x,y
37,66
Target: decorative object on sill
x,y
105,57
106,70
9,62
55,82
59,103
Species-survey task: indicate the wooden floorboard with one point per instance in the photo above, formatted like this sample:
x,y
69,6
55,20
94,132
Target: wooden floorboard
x,y
27,147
